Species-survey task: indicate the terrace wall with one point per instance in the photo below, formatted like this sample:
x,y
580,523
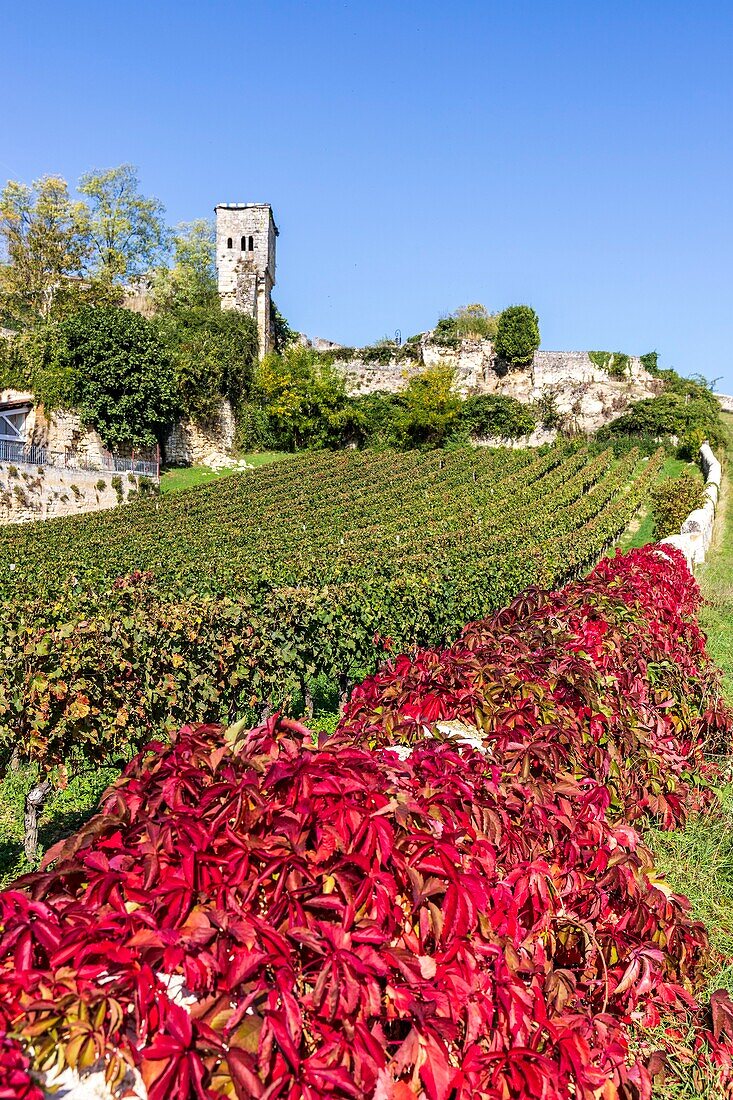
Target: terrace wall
x,y
30,493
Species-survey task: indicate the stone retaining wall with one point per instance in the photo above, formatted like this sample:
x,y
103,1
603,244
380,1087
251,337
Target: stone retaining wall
x,y
696,532
30,493
210,444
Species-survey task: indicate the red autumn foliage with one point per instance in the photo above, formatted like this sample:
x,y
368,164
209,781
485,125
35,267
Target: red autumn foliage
x,y
394,912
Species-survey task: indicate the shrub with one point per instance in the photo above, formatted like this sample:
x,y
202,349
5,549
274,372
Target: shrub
x,y
429,408
517,335
616,363
650,362
686,411
111,366
304,397
672,502
546,411
497,415
446,333
377,912
214,354
473,322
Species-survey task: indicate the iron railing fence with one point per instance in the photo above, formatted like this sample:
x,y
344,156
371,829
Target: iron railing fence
x,y
25,454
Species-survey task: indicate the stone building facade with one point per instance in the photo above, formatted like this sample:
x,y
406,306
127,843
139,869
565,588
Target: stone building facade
x,y
245,263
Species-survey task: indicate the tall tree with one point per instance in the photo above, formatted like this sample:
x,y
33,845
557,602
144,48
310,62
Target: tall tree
x,y
43,242
127,233
191,281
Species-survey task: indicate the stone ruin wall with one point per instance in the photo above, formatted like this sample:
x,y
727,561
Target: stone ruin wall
x,y
586,396
209,444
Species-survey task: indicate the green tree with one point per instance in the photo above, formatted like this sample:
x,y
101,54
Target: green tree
x,y
127,234
43,245
112,367
429,409
283,334
190,283
517,335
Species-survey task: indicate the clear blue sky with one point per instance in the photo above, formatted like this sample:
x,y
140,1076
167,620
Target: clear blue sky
x,y
419,156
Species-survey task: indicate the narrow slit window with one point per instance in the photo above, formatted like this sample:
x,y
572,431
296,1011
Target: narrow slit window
x,y
243,245
251,244
229,242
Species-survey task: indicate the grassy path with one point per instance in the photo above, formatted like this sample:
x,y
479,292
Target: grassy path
x,y
641,529
698,860
186,477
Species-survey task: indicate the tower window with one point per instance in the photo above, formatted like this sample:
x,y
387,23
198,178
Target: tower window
x,y
243,245
229,242
251,244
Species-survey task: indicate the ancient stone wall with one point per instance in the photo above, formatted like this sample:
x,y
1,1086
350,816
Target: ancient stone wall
x,y
207,444
30,493
585,395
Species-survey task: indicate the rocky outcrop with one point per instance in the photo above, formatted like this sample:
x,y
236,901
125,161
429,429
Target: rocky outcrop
x,y
584,394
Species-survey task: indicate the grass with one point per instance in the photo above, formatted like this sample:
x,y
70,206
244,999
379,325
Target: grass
x,y
64,812
176,478
698,860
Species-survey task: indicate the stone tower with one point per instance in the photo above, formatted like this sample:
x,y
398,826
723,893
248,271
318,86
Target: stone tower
x,y
245,262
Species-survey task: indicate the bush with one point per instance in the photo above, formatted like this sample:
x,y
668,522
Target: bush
x,y
473,322
112,367
429,409
214,354
304,398
443,898
687,411
517,335
376,413
616,363
672,502
497,415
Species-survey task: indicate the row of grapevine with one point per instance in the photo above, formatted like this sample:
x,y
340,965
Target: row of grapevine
x,y
446,898
95,670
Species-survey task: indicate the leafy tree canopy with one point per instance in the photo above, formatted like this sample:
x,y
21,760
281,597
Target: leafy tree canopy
x,y
517,335
43,244
429,409
214,353
190,283
112,367
126,231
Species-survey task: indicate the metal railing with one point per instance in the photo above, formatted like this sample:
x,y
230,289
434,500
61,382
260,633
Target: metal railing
x,y
25,454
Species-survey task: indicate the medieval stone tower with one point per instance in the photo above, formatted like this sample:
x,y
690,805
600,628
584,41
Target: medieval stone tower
x,y
245,262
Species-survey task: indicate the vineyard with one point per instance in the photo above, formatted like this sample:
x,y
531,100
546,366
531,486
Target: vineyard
x,y
212,603
446,898
356,517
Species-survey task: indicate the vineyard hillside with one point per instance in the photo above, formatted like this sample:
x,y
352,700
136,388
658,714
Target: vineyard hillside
x,y
324,519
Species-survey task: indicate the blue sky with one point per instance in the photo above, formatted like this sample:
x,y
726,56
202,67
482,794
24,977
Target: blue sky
x,y
418,156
